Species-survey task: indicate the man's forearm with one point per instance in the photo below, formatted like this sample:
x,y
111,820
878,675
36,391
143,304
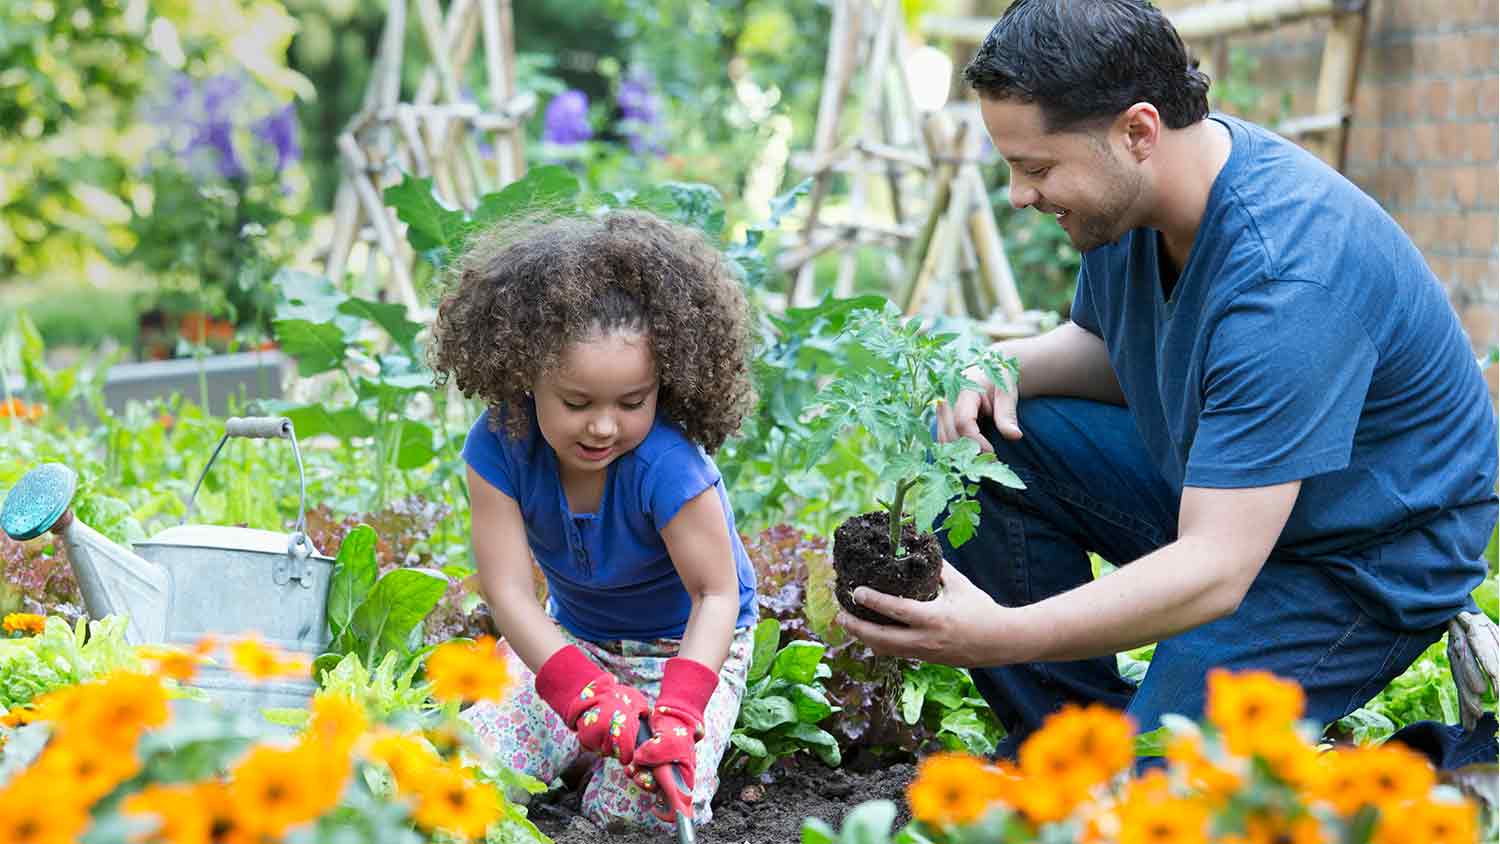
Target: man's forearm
x,y
1173,589
1066,361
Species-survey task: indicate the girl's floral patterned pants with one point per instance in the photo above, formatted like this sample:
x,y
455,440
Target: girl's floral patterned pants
x,y
524,733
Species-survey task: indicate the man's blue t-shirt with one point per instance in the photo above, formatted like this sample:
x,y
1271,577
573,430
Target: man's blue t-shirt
x,y
1307,339
609,576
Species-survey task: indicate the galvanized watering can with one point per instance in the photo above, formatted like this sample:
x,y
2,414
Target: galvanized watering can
x,y
192,581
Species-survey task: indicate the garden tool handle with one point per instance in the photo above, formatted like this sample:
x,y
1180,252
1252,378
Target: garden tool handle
x,y
258,427
263,428
677,798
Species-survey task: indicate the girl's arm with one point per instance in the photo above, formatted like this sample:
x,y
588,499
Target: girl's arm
x,y
697,539
505,580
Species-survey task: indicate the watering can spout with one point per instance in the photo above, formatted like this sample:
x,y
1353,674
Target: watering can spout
x,y
114,580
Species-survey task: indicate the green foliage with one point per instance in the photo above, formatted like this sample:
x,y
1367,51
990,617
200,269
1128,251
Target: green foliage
x,y
773,469
896,373
376,616
946,700
784,701
214,244
373,346
62,656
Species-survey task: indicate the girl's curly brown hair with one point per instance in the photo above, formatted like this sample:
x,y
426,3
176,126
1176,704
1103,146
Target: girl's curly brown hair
x,y
526,291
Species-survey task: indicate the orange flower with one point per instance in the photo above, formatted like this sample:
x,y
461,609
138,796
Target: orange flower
x,y
1215,783
274,788
408,759
176,664
1379,776
14,408
451,800
113,711
259,661
181,818
1288,757
1078,748
468,671
86,772
24,622
953,789
1275,829
1429,822
32,813
20,715
337,721
1249,705
1162,819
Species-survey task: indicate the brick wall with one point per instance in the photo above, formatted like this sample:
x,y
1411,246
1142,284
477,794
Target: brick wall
x,y
1423,135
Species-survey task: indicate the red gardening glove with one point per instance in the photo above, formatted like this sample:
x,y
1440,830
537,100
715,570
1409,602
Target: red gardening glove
x,y
605,714
676,725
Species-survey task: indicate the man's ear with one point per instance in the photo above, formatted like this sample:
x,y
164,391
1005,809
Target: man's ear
x,y
1140,126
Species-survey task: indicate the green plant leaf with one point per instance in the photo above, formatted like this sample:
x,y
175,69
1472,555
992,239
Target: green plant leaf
x,y
767,637
749,745
317,346
399,602
390,316
812,704
976,735
548,189
354,572
815,831
869,823
798,662
689,203
346,423
823,743
430,225
416,445
765,713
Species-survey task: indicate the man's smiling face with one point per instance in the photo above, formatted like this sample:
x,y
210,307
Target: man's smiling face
x,y
1075,176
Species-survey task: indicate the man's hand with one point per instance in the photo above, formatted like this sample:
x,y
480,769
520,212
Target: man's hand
x,y
962,419
956,628
1474,659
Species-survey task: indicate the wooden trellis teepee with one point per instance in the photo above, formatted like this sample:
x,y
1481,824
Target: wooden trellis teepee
x,y
432,135
936,218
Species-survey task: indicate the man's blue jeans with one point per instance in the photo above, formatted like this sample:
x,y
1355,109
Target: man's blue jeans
x,y
1090,486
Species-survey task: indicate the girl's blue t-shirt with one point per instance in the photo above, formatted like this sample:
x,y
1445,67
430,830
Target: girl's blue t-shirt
x,y
609,576
1306,339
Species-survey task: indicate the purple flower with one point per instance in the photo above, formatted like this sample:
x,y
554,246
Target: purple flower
x,y
219,93
567,119
217,134
279,129
640,112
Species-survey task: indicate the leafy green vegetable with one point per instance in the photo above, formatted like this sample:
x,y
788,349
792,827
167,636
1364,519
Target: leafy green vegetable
x,y
62,656
784,701
376,616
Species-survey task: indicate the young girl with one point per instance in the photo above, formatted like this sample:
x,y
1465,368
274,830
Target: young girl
x,y
612,353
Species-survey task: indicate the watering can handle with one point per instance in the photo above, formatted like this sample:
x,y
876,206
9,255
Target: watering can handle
x,y
258,427
265,428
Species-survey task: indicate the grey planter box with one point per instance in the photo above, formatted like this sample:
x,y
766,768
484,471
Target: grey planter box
x,y
245,375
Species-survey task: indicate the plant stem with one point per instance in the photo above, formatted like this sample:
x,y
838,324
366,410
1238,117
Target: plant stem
x,y
897,504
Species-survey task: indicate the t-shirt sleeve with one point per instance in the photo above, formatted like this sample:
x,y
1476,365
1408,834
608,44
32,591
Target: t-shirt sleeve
x,y
486,453
676,477
1082,313
1285,379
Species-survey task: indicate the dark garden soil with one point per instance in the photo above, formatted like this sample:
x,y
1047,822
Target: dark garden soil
x,y
747,810
862,557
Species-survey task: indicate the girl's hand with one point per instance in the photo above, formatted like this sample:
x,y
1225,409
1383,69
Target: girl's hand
x,y
676,725
605,714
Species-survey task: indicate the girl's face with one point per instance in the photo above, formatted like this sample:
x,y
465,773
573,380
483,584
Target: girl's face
x,y
599,402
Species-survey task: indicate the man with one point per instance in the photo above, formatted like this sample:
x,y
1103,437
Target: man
x,y
1263,408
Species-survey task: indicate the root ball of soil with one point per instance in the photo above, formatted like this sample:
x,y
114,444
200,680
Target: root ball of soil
x,y
862,557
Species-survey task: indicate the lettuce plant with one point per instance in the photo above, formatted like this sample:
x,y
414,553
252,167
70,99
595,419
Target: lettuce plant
x,y
784,702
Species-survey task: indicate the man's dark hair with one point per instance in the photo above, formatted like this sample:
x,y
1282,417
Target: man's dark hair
x,y
1085,61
